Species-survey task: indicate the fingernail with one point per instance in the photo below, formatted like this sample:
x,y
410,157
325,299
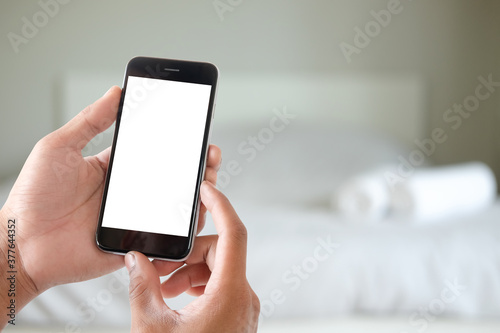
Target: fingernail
x,y
129,261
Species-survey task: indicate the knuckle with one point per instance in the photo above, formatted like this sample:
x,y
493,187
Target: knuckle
x,y
86,110
137,289
211,174
239,231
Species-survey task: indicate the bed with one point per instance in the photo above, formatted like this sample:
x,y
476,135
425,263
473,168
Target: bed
x,y
313,268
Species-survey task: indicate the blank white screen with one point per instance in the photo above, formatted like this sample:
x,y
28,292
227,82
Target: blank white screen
x,y
157,156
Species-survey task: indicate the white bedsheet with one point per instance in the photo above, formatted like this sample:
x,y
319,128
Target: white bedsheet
x,y
449,269
381,269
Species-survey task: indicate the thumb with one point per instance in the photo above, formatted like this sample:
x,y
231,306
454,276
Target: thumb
x,y
144,289
93,120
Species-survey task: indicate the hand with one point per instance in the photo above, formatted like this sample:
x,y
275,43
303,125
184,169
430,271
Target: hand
x,y
56,201
215,271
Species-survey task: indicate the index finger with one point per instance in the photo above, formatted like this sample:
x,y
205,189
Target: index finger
x,y
231,252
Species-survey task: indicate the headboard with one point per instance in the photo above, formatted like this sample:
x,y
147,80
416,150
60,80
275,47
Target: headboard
x,y
392,103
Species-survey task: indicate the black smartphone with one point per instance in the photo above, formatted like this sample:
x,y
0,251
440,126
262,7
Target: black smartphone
x,y
151,196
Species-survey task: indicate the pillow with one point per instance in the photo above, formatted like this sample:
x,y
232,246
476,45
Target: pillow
x,y
302,163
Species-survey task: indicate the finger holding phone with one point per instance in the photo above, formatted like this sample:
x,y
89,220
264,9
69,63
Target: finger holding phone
x,y
215,271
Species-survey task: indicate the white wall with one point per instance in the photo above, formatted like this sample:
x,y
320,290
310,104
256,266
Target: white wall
x,y
449,43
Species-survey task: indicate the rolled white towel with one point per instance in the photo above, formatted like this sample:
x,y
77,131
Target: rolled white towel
x,y
364,197
427,195
443,192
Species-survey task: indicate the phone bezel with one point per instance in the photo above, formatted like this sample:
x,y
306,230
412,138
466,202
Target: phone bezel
x,y
153,245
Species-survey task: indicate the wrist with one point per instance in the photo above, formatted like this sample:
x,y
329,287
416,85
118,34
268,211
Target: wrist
x,y
16,287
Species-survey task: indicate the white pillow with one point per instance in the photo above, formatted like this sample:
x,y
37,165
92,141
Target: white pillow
x,y
302,164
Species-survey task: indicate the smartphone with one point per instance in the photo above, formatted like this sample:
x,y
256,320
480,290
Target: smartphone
x,y
151,199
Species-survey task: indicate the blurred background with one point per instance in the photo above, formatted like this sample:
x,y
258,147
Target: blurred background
x,y
448,44
364,84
